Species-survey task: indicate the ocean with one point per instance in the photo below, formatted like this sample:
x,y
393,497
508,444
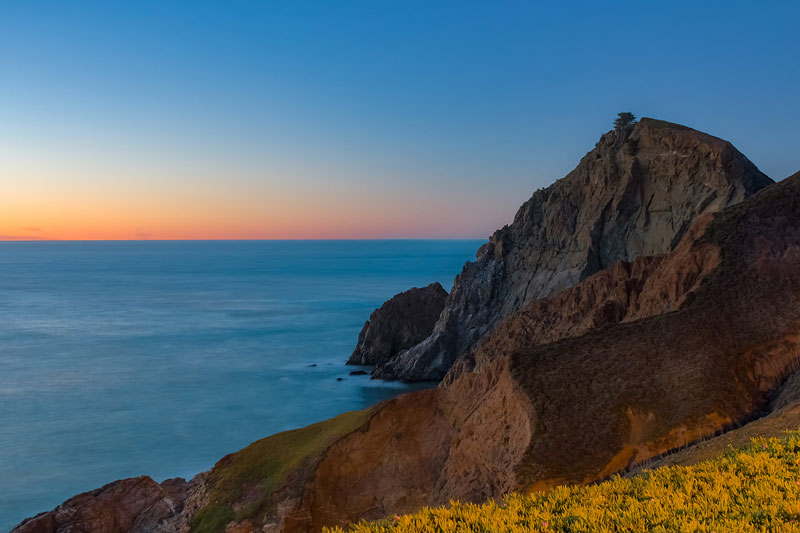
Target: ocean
x,y
119,359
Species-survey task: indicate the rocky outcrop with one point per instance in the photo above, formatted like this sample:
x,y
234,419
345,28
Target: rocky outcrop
x,y
629,197
136,505
625,292
400,323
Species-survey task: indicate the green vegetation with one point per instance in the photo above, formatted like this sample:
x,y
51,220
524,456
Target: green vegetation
x,y
212,518
624,121
242,484
756,488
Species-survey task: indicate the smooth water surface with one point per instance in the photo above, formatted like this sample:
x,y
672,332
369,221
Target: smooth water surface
x,y
119,359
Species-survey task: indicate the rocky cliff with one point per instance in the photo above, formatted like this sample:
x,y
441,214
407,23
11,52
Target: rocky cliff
x,y
647,286
632,195
400,323
621,368
646,357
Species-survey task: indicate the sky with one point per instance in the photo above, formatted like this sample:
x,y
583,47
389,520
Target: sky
x,y
358,119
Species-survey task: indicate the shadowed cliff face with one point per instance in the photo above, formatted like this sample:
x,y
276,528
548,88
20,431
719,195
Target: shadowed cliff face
x,y
644,387
624,200
400,323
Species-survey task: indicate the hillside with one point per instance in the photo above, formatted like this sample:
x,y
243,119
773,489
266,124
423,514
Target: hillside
x,y
582,408
754,488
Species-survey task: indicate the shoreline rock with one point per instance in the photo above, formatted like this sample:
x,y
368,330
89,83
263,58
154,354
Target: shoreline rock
x,y
134,504
401,322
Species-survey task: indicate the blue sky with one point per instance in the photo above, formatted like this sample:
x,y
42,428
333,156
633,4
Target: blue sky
x,y
359,119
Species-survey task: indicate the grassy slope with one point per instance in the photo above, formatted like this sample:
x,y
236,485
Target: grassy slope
x,y
243,483
755,488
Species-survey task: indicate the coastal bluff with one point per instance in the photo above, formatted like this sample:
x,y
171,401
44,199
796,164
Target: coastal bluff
x,y
665,318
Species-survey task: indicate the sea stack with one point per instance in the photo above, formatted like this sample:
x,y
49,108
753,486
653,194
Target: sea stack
x,y
400,323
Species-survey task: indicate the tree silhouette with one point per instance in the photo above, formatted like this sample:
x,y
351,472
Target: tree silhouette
x,y
624,121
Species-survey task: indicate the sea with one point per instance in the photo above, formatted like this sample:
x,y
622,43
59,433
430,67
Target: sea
x,y
121,359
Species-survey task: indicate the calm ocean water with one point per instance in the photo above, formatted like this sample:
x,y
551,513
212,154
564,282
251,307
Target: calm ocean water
x,y
125,358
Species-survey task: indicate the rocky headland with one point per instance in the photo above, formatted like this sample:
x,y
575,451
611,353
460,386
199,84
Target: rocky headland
x,y
635,194
643,309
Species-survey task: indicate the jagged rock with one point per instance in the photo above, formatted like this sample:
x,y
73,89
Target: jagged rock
x,y
401,322
136,505
624,200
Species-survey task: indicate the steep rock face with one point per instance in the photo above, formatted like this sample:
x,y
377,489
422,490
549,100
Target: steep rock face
x,y
625,292
420,449
636,390
401,322
136,505
628,197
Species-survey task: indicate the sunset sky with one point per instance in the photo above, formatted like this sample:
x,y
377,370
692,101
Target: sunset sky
x,y
214,120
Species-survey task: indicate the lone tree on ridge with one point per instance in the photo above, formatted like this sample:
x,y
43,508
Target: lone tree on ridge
x,y
624,121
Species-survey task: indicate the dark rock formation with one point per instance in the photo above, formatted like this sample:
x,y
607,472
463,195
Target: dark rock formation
x,y
401,322
137,505
624,200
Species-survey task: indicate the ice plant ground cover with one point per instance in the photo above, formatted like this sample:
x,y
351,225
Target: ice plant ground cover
x,y
754,488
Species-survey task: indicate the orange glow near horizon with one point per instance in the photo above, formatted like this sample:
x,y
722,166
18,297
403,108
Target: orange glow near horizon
x,y
83,194
214,214
276,224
